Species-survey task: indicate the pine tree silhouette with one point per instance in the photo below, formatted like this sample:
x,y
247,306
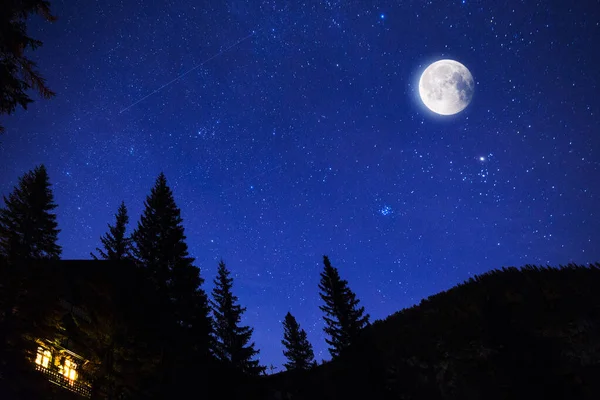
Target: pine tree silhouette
x,y
116,245
343,318
17,72
231,341
159,239
28,234
28,227
298,349
160,248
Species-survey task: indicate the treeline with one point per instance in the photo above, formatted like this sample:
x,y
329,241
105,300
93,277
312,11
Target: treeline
x,y
514,333
194,336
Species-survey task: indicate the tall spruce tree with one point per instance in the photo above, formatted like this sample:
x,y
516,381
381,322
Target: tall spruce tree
x,y
159,246
28,227
159,239
17,72
28,234
298,349
117,246
231,341
344,319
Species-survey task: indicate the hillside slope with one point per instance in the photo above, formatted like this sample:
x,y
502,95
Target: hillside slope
x,y
513,333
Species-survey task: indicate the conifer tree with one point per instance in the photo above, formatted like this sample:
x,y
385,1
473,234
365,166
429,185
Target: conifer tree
x,y
116,245
298,349
159,246
28,233
159,239
17,72
159,243
28,227
231,341
344,319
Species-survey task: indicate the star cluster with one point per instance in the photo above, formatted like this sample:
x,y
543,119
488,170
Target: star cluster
x,y
289,130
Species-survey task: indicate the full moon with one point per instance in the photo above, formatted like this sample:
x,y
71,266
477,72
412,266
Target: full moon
x,y
446,87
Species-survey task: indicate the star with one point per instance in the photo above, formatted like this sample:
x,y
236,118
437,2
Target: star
x,y
385,210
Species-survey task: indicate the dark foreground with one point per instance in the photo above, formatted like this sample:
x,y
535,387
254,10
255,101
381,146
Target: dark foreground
x,y
531,333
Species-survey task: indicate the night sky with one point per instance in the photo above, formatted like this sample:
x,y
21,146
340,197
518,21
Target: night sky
x,y
288,131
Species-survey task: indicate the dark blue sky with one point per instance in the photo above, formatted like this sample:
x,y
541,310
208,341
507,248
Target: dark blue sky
x,y
299,132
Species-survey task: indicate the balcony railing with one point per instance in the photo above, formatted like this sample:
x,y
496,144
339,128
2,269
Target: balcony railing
x,y
57,378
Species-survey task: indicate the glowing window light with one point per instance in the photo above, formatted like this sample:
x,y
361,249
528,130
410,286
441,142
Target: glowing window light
x,y
46,358
43,357
69,370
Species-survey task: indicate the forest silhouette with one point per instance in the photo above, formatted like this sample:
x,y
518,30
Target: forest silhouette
x,y
147,329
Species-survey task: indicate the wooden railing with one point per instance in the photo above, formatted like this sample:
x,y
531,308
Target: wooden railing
x,y
59,379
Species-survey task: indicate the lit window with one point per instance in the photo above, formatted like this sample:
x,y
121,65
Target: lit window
x,y
43,357
69,369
